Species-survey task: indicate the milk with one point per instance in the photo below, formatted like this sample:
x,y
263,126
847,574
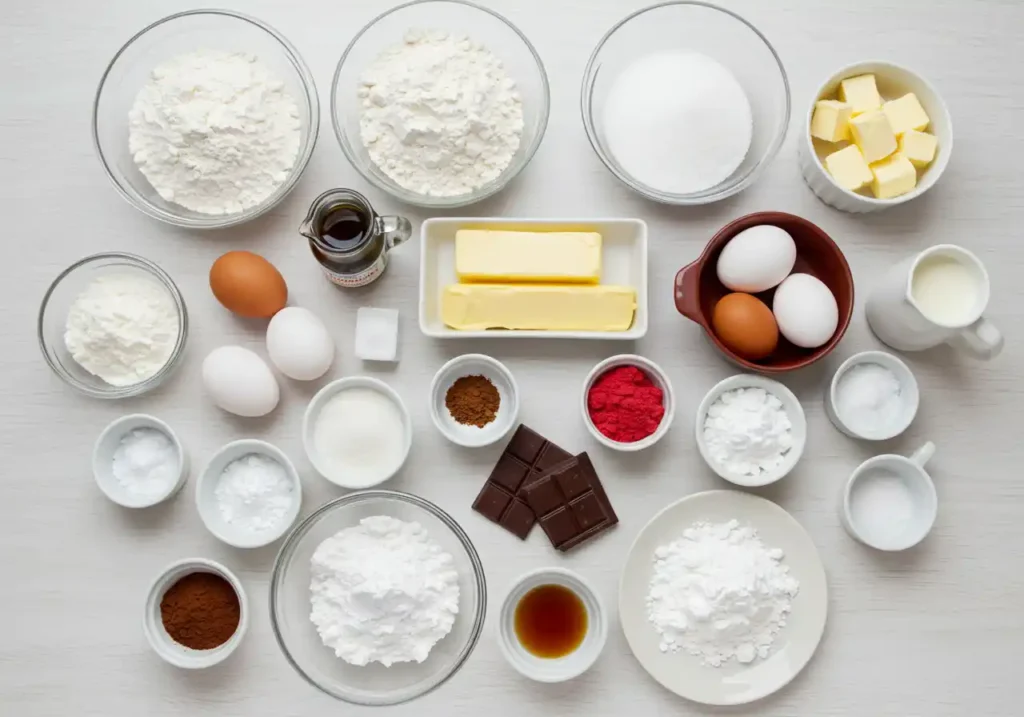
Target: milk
x,y
882,506
946,290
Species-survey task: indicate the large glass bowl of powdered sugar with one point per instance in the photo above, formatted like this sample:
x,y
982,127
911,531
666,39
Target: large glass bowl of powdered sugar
x,y
440,103
685,102
206,119
377,598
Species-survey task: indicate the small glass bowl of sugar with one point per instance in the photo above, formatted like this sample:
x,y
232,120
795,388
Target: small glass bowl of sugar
x,y
873,396
138,461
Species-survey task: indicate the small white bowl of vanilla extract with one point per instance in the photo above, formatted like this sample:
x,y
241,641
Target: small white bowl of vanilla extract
x,y
552,625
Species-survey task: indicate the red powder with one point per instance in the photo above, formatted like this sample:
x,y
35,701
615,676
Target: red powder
x,y
625,405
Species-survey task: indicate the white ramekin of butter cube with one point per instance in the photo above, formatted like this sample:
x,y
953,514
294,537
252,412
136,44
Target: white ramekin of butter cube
x,y
875,135
553,278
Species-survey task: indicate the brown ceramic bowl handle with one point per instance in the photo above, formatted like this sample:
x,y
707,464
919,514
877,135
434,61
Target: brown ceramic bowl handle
x,y
685,291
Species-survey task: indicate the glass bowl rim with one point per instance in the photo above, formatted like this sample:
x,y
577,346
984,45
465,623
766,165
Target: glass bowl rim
x,y
136,389
302,160
299,531
462,200
695,198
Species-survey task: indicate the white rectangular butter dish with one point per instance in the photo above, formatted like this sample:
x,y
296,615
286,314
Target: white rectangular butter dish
x,y
623,263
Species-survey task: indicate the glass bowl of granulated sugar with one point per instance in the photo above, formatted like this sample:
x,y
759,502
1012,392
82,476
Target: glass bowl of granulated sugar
x,y
205,119
440,103
377,598
685,102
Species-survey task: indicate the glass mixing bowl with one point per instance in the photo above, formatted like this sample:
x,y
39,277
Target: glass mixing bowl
x,y
501,37
712,31
373,684
178,34
53,314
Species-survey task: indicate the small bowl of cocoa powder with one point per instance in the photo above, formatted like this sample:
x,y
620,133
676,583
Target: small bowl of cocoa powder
x,y
474,400
196,613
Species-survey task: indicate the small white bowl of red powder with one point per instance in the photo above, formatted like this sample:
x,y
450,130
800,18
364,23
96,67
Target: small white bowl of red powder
x,y
628,403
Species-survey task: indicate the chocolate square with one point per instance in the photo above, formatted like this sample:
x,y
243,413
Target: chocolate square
x,y
570,503
525,458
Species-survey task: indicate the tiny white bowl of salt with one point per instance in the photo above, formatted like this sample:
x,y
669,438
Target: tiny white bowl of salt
x,y
872,396
139,462
249,493
357,432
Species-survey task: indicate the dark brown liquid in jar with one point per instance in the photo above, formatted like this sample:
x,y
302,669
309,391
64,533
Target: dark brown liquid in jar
x,y
344,228
550,621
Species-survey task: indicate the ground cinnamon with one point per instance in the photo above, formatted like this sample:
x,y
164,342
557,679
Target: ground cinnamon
x,y
473,401
200,611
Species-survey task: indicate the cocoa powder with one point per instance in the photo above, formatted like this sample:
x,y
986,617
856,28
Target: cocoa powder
x,y
473,401
200,611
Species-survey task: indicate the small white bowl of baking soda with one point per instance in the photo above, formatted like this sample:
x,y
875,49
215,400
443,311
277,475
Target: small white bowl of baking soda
x,y
249,494
872,396
138,461
751,430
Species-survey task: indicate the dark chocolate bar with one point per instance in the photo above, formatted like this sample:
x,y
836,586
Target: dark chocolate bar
x,y
570,503
526,457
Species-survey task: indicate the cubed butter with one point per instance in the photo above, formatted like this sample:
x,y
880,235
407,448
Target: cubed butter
x,y
906,113
477,307
893,176
512,256
831,120
873,134
918,147
861,92
848,168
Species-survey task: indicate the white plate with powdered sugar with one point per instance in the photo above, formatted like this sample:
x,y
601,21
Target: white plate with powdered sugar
x,y
733,682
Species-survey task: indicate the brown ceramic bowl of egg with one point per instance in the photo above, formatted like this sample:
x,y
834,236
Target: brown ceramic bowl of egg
x,y
771,290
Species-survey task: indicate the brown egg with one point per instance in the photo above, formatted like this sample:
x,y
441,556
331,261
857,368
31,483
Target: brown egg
x,y
248,285
746,325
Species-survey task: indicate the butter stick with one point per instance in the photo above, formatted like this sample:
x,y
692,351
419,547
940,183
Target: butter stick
x,y
514,256
476,307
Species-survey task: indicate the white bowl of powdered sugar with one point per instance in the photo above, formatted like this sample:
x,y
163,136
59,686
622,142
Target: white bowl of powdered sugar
x,y
751,430
377,598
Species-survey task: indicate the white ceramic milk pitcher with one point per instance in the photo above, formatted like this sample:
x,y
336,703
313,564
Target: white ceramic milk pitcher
x,y
937,296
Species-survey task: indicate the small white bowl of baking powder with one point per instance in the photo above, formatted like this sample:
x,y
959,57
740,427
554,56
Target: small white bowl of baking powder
x,y
751,430
139,462
249,493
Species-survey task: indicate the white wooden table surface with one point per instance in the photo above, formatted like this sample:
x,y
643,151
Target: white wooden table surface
x,y
935,632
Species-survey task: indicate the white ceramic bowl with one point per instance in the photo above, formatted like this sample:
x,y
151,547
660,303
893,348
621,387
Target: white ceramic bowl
x,y
563,668
206,500
909,394
103,460
153,626
789,402
328,392
893,81
657,376
474,365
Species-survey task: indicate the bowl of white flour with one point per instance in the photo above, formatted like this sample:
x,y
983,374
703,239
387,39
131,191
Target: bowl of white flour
x,y
377,598
206,119
113,325
440,103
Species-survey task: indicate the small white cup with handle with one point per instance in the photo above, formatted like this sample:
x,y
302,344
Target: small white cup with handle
x,y
933,297
889,502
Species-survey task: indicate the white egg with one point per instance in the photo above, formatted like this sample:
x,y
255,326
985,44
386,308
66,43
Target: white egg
x,y
805,310
240,382
298,344
757,259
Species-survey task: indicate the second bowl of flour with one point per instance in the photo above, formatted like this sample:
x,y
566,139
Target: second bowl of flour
x,y
751,430
406,132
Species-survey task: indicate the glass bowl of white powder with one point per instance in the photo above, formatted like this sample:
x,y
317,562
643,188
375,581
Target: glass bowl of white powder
x,y
685,102
113,325
410,578
206,119
440,103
